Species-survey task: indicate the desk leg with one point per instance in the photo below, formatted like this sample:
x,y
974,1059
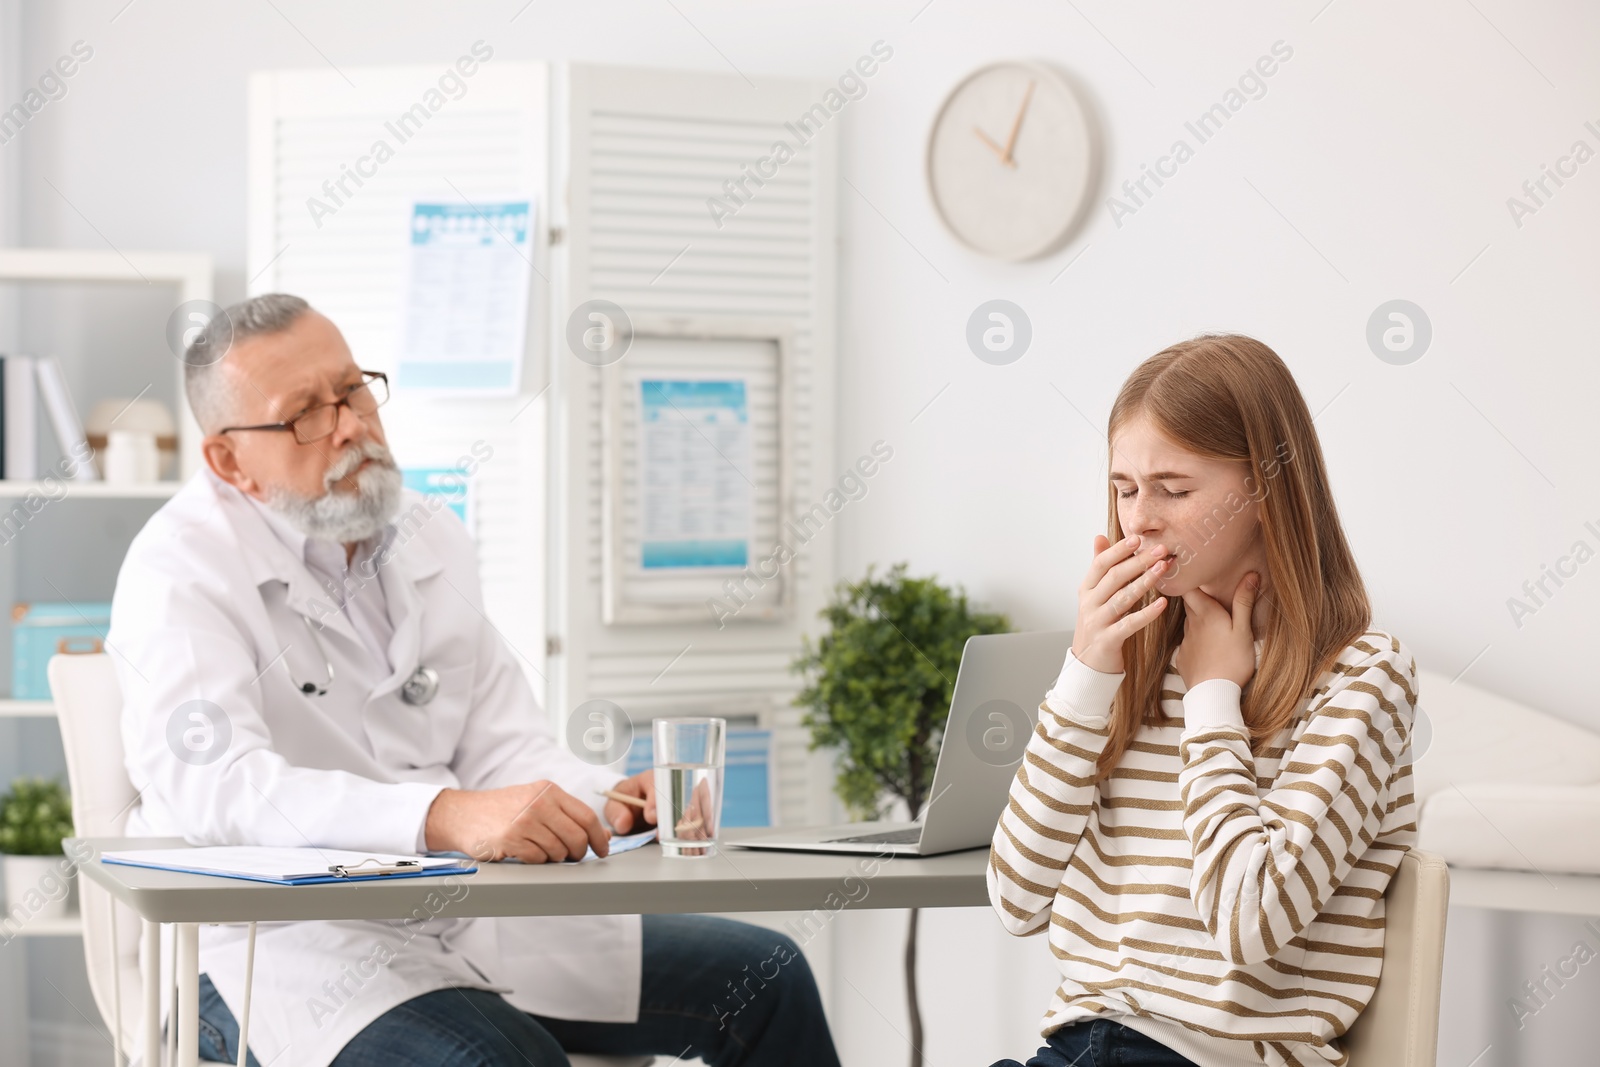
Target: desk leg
x,y
244,1014
188,966
150,976
116,985
172,996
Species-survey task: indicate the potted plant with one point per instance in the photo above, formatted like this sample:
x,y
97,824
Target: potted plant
x,y
879,688
34,819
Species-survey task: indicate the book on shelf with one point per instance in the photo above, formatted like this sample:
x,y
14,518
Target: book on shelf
x,y
21,460
64,419
25,381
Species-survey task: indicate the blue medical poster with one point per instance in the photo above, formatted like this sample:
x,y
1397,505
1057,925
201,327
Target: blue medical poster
x,y
465,316
747,777
452,488
696,482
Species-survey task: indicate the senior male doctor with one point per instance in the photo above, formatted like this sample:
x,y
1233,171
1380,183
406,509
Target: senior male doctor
x,y
299,668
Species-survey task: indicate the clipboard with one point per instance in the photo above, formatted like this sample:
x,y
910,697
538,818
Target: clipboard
x,y
290,866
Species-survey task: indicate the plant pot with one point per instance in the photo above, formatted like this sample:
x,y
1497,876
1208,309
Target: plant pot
x,y
37,888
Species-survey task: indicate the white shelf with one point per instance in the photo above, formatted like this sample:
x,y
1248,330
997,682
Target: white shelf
x,y
89,490
188,269
27,709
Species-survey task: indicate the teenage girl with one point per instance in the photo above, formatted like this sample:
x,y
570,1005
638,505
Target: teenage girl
x,y
1218,788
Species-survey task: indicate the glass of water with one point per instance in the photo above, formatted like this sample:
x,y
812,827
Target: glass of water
x,y
688,764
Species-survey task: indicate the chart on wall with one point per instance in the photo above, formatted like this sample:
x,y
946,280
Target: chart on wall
x,y
693,437
466,304
696,482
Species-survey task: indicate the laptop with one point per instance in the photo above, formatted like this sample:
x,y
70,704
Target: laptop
x,y
1002,680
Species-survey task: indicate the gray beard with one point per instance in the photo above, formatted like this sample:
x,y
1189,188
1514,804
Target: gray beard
x,y
345,517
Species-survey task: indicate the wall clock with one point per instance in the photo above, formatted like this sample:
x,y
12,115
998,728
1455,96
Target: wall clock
x,y
1012,160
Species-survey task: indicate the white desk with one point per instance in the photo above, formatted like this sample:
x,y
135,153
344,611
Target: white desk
x,y
639,882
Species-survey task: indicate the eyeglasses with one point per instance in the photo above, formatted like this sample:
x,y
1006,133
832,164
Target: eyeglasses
x,y
313,424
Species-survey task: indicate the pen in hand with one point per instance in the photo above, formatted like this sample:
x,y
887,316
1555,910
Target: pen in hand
x,y
644,808
693,822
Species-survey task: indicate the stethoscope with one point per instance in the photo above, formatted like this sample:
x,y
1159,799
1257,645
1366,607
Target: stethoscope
x,y
419,689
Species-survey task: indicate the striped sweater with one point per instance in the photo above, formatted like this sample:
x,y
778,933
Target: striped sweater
x,y
1228,905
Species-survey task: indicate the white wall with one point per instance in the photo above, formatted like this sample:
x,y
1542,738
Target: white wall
x,y
1376,166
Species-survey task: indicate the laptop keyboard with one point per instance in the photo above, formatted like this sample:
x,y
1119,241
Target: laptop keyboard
x,y
909,836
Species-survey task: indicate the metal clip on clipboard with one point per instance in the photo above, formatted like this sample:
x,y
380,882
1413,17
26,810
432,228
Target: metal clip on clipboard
x,y
347,870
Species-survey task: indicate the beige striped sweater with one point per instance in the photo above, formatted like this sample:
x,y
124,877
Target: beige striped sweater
x,y
1227,905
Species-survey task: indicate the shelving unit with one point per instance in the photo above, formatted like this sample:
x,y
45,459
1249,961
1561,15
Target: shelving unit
x,y
189,274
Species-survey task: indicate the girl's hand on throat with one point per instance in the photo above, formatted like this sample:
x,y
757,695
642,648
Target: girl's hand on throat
x,y
1218,640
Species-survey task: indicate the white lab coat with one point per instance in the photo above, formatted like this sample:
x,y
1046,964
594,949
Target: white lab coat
x,y
207,602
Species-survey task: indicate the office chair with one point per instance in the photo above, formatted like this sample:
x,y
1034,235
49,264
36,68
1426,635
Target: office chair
x,y
89,707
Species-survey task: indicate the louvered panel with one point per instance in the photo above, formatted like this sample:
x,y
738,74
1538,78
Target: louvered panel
x,y
686,688
688,167
659,124
682,281
673,191
730,245
621,667
352,267
658,134
679,191
704,271
756,682
691,218
641,252
649,149
761,217
687,281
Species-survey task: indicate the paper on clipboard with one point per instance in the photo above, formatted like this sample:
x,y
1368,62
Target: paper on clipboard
x,y
621,844
289,866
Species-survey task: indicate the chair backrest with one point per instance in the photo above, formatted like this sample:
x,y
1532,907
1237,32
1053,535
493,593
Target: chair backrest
x,y
1400,1026
89,709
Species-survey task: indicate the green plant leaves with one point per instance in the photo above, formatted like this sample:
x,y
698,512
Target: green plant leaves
x,y
34,818
880,682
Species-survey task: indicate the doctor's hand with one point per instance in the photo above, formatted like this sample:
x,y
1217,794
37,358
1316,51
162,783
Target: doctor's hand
x,y
627,819
535,823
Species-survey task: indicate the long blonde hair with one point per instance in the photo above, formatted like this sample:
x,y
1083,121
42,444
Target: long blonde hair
x,y
1231,397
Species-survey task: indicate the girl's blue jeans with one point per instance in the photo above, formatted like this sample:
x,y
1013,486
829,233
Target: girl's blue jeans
x,y
1100,1043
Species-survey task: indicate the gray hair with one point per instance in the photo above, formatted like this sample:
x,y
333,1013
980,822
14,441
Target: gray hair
x,y
210,395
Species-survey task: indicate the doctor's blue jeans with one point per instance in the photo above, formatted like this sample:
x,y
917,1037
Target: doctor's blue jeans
x,y
730,993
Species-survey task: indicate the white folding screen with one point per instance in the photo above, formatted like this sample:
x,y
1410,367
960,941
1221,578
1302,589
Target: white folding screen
x,y
621,164
329,214
643,152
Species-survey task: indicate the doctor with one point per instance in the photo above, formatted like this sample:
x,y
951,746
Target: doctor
x,y
304,660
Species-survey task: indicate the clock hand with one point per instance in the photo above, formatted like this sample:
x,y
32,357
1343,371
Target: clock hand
x,y
986,139
1017,125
